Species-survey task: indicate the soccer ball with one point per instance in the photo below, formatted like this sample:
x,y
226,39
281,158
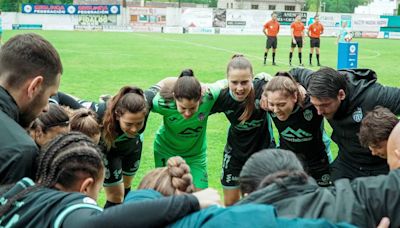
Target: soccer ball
x,y
348,37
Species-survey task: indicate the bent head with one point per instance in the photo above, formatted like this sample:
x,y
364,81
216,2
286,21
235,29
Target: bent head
x,y
85,121
49,125
73,163
282,94
268,165
30,70
375,130
327,89
187,93
125,112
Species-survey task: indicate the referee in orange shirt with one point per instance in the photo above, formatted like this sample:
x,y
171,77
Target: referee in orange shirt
x,y
271,30
297,31
314,32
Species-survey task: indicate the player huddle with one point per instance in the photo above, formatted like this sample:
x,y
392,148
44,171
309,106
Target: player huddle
x,y
85,145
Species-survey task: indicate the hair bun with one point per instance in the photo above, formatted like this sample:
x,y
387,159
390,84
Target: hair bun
x,y
237,56
181,178
187,72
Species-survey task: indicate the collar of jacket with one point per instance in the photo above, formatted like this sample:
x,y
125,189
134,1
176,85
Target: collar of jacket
x,y
8,104
273,192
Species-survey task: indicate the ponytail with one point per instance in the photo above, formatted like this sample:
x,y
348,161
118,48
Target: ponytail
x,y
128,99
186,86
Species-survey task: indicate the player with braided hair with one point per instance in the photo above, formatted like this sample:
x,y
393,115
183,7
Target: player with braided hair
x,y
49,124
174,179
70,175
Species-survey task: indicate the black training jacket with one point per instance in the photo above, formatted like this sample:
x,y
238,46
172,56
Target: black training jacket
x,y
362,95
18,151
362,202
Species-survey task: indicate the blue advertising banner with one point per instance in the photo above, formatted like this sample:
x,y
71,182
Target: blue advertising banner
x,y
70,9
347,55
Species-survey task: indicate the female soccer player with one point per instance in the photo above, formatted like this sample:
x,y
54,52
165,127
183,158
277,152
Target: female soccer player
x,y
70,175
250,129
185,110
299,125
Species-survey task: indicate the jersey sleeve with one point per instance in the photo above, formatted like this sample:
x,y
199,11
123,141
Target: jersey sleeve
x,y
149,213
150,94
302,76
385,96
67,100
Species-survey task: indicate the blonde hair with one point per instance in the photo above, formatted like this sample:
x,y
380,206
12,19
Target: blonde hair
x,y
174,179
284,82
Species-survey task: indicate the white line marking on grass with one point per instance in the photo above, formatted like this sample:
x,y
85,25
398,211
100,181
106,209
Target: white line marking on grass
x,y
377,54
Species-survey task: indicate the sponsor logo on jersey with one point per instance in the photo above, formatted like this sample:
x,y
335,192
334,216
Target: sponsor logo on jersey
x,y
308,115
201,116
358,115
257,104
172,118
249,125
296,136
229,178
191,132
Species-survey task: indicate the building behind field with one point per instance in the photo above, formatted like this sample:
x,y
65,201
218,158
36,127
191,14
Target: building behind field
x,y
379,7
279,5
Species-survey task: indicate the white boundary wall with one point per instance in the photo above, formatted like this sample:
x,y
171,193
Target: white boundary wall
x,y
200,21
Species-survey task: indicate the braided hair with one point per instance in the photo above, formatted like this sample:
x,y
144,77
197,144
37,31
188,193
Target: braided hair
x,y
66,159
174,179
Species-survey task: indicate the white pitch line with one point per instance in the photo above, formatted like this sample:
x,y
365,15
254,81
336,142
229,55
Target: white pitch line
x,y
377,54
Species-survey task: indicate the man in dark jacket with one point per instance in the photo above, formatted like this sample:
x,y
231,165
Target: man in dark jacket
x,y
30,71
276,177
343,98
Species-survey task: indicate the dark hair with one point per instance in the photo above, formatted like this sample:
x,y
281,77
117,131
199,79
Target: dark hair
x,y
26,56
238,61
377,126
55,116
171,180
85,121
128,99
284,81
316,15
64,160
273,13
186,86
326,83
269,166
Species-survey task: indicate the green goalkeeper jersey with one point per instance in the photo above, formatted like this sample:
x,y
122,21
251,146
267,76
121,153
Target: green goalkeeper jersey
x,y
179,136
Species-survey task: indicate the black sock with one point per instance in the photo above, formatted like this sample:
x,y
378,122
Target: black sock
x,y
109,204
290,57
310,58
300,57
318,59
127,190
265,57
273,57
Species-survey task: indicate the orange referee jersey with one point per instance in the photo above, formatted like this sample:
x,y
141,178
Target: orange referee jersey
x,y
298,28
315,30
272,28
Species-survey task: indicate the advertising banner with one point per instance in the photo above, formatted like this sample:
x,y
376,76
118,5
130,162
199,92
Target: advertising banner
x,y
219,18
197,17
254,19
97,20
287,17
70,9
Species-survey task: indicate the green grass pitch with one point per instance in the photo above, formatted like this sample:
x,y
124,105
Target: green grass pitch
x,y
100,63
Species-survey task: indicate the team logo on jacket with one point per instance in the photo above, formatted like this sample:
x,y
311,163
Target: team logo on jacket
x,y
308,115
358,115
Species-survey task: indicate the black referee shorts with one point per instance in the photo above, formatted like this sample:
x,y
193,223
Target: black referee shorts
x,y
272,41
314,42
299,42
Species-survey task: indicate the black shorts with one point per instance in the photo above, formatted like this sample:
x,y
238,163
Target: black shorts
x,y
272,41
231,168
341,169
122,164
299,42
314,42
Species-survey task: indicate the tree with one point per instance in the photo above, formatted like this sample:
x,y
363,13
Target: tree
x,y
339,6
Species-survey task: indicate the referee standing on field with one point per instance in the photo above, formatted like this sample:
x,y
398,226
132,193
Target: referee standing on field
x,y
271,30
314,32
